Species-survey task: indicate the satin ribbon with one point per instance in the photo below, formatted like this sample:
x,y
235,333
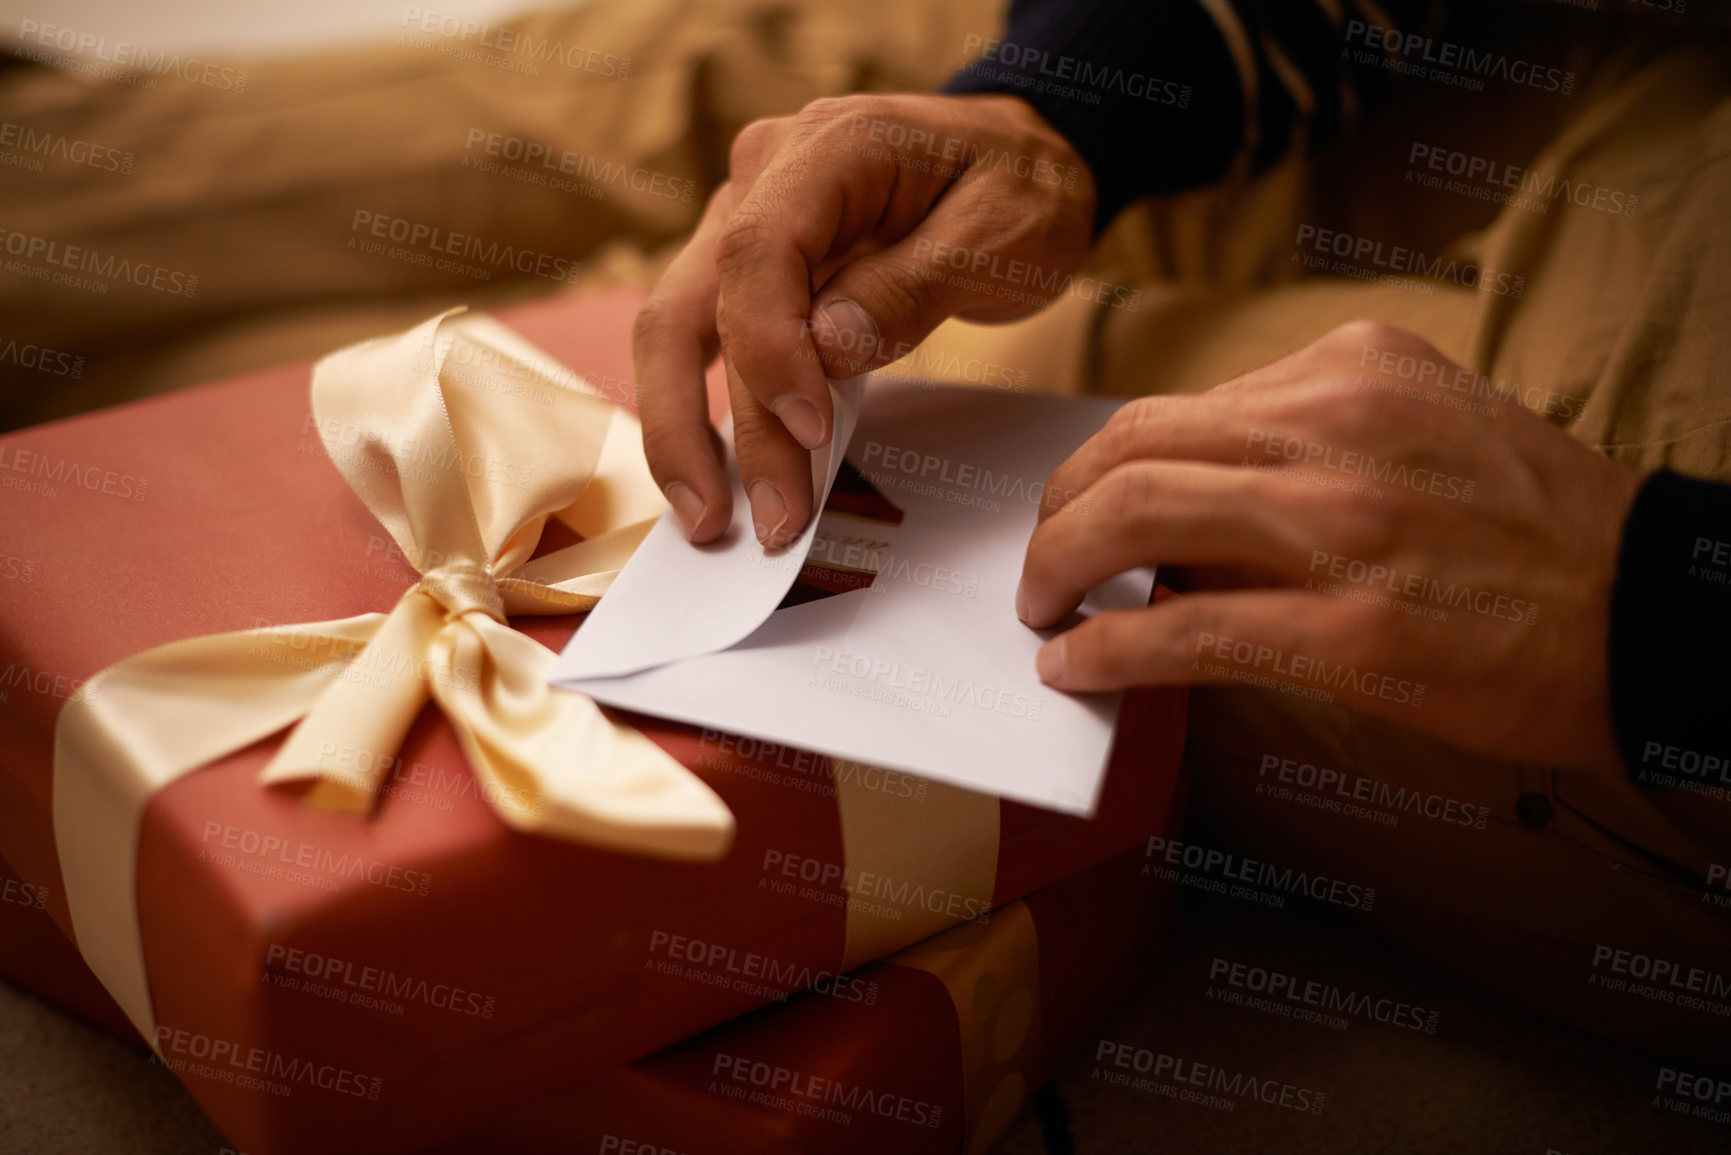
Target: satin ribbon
x,y
463,440
992,974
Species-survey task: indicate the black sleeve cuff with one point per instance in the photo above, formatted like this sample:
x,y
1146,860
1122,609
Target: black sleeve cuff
x,y
1146,92
1670,638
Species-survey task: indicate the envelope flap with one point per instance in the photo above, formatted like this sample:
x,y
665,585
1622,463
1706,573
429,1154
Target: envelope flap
x,y
673,602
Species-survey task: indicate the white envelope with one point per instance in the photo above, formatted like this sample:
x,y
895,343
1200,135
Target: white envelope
x,y
928,670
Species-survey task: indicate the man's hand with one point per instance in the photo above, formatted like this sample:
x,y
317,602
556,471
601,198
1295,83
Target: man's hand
x,y
1363,519
843,236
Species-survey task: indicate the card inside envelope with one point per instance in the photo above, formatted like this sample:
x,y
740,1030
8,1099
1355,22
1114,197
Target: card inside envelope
x,y
887,633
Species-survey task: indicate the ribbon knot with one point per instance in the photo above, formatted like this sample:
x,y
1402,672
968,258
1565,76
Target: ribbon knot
x,y
463,588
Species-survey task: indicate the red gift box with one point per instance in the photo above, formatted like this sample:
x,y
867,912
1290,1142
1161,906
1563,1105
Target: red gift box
x,y
872,1061
461,966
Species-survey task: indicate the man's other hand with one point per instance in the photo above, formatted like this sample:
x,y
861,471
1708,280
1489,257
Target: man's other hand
x,y
1362,520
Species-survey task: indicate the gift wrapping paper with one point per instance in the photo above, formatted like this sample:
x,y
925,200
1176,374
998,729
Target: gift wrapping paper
x,y
335,981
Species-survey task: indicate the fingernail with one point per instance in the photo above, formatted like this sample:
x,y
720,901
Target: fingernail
x,y
768,511
802,420
849,332
687,506
1022,599
1049,662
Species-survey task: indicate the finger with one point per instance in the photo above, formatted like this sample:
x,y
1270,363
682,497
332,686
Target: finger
x,y
816,196
1226,424
1167,513
766,258
877,307
1187,428
1277,638
672,342
774,468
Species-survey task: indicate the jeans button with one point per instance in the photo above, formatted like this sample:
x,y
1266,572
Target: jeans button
x,y
1535,809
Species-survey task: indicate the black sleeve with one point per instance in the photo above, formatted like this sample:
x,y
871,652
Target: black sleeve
x,y
1160,96
1671,649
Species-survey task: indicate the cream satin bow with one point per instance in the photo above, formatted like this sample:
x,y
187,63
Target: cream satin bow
x,y
462,439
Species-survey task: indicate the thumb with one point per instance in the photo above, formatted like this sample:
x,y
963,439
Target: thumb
x,y
876,308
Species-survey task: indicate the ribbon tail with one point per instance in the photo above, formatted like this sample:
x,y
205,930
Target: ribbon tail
x,y
139,725
349,739
555,764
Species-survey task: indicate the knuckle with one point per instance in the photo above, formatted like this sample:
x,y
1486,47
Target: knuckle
x,y
752,425
1192,619
1354,407
1135,420
1365,332
652,323
826,110
1129,493
898,297
741,238
753,143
